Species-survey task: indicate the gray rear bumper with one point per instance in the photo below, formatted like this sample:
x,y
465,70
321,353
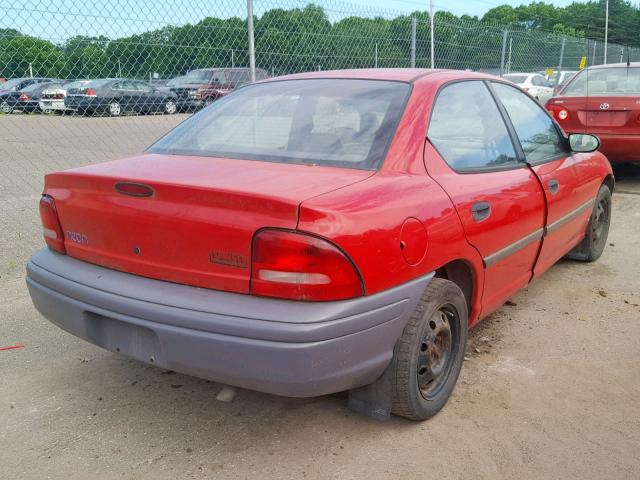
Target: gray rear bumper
x,y
276,346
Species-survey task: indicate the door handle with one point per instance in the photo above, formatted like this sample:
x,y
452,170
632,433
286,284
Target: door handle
x,y
554,186
480,211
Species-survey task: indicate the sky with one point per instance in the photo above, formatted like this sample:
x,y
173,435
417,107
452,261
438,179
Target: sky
x,y
57,20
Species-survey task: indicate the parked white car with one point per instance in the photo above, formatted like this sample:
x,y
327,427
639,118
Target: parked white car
x,y
52,99
534,84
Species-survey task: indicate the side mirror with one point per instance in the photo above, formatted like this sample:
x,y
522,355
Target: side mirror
x,y
583,142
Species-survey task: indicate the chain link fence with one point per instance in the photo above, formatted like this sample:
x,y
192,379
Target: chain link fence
x,y
88,82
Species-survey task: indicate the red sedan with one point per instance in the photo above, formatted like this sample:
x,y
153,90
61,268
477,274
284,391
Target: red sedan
x,y
604,100
323,232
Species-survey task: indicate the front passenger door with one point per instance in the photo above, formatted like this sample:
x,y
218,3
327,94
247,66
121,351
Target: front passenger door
x,y
472,155
569,186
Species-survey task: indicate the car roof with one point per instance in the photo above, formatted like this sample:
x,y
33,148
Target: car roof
x,y
391,74
614,65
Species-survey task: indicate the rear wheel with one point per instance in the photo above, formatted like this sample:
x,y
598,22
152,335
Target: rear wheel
x,y
429,354
5,107
595,238
114,108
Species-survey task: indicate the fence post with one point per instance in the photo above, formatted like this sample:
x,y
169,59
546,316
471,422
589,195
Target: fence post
x,y
376,57
509,61
504,50
564,40
252,50
593,56
432,34
413,42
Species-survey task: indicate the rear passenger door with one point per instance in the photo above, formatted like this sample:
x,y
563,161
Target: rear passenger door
x,y
568,185
471,153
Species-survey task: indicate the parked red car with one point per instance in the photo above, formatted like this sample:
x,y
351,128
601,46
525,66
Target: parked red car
x,y
323,232
605,101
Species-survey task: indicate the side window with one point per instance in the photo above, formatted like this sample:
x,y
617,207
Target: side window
x,y
143,87
467,129
537,81
538,135
116,86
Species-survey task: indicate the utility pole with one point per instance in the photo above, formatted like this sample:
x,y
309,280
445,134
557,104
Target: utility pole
x,y
413,42
432,20
504,48
564,41
252,49
606,31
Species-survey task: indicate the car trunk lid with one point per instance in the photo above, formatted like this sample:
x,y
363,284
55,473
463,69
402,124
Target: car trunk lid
x,y
188,220
602,114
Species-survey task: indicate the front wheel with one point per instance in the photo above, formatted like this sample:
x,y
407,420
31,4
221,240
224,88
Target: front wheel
x,y
595,239
429,354
170,107
5,107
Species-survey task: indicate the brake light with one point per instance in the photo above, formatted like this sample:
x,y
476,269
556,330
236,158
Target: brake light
x,y
298,266
90,92
51,228
558,112
24,97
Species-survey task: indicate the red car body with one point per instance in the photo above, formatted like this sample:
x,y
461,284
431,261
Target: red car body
x,y
605,109
201,222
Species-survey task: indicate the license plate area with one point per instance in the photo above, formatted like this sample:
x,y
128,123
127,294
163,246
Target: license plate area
x,y
129,339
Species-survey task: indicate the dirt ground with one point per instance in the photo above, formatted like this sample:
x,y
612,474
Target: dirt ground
x,y
549,390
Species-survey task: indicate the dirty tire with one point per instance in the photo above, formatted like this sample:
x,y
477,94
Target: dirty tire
x,y
442,307
590,249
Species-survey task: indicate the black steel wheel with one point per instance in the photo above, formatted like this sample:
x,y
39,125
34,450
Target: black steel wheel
x,y
429,354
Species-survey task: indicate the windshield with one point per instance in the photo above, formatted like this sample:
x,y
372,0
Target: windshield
x,y
519,79
11,84
175,81
564,77
618,81
333,122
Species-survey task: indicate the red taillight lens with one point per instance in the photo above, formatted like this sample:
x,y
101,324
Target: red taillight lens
x,y
90,92
558,112
51,228
24,97
562,114
298,266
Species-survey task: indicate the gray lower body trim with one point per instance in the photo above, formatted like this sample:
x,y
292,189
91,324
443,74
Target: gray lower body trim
x,y
568,217
275,346
536,235
513,248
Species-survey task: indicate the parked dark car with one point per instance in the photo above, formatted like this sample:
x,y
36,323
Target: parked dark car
x,y
28,99
115,96
8,88
200,87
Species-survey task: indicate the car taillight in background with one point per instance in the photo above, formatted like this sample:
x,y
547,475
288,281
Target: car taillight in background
x,y
526,89
558,112
51,228
90,92
298,266
24,97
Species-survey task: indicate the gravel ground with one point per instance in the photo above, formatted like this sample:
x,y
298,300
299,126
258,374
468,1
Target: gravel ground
x,y
550,387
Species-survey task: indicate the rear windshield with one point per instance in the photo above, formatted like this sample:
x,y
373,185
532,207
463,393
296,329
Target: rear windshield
x,y
519,79
334,122
618,81
204,76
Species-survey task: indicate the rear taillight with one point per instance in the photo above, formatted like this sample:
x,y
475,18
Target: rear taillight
x,y
90,92
526,89
298,266
51,228
558,112
24,97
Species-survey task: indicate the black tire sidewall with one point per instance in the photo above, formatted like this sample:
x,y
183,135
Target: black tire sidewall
x,y
594,251
447,293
